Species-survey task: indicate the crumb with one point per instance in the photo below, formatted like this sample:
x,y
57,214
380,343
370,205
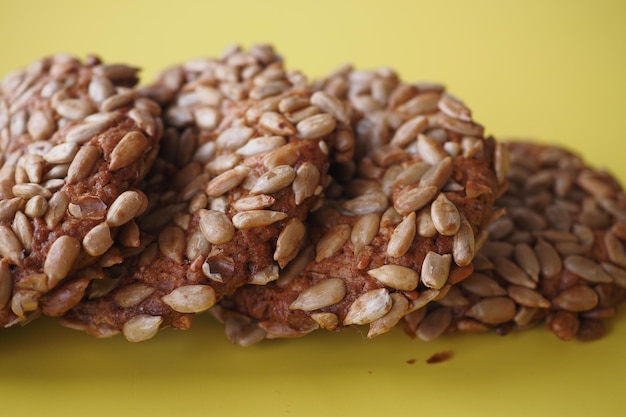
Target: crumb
x,y
411,361
439,357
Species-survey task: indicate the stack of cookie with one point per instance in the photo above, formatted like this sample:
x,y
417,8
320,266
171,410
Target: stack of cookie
x,y
281,206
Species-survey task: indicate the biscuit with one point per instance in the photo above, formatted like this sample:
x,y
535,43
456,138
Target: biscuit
x,y
74,140
556,255
401,220
239,171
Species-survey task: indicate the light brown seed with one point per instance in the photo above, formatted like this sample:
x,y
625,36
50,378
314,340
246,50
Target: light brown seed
x,y
564,324
215,226
289,241
371,202
437,175
60,259
549,259
368,307
494,310
587,269
387,322
226,181
527,297
434,324
320,295
435,269
452,107
98,240
10,246
306,181
328,321
482,285
445,216
430,150
527,260
83,132
316,126
615,249
191,298
133,294
257,218
23,230
262,144
330,104
274,180
456,125
126,206
510,272
74,108
618,274
253,202
172,243
396,276
128,150
29,190
408,131
464,244
9,207
83,163
364,231
41,125
57,207
414,199
402,236
576,299
141,327
234,137
276,124
332,242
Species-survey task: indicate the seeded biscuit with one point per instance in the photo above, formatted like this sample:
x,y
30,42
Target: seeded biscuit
x,y
74,140
236,179
556,255
402,218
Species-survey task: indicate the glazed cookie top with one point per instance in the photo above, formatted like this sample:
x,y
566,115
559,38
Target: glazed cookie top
x,y
402,219
228,196
556,253
74,139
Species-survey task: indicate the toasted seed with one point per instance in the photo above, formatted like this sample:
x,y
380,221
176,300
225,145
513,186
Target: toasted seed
x,y
316,126
437,175
83,163
328,321
576,299
6,283
128,150
29,190
414,199
216,227
60,259
618,274
41,125
293,103
332,242
320,295
83,132
9,206
371,202
615,249
396,276
452,107
402,236
434,324
172,243
226,181
464,245
435,269
387,322
98,240
253,202
23,230
10,246
527,297
494,310
330,104
510,272
126,206
527,260
306,181
133,294
423,299
141,327
276,124
274,180
409,131
364,231
456,125
430,150
24,301
482,285
257,218
234,137
57,207
262,144
445,216
549,259
74,108
564,324
586,268
190,298
289,241
368,307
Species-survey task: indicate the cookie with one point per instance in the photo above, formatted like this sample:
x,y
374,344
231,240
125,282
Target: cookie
x,y
401,220
556,255
241,167
74,140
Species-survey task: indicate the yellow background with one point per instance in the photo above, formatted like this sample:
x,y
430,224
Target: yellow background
x,y
554,71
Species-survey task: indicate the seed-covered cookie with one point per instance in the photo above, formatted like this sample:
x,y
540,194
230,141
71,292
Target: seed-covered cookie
x,y
241,167
556,254
401,222
74,140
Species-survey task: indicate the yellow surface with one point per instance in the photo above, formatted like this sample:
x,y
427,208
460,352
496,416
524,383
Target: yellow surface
x,y
550,70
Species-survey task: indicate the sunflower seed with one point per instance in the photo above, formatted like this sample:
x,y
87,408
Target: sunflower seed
x,y
57,207
6,283
549,259
328,321
133,294
128,150
332,242
618,274
434,324
234,137
10,246
60,259
494,310
274,180
277,124
41,125
482,285
452,107
414,198
83,163
320,295
330,104
387,322
257,218
289,241
409,131
190,298
445,216
437,175
141,327
126,206
74,108
260,145
396,276
316,126
576,299
510,272
172,243
615,249
464,245
435,269
527,297
216,227
526,258
368,307
586,268
226,181
98,240
430,150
